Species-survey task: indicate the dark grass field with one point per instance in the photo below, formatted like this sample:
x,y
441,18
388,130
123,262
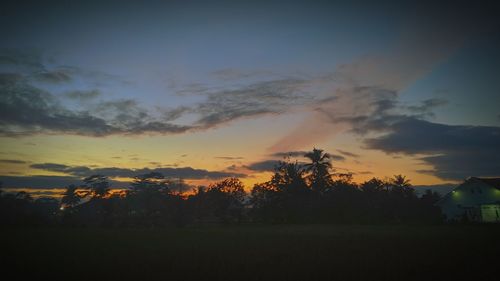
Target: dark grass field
x,y
256,253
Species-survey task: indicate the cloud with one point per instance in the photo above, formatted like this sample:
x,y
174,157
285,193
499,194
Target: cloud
x,y
113,172
269,165
38,192
347,153
9,78
50,167
176,113
425,107
263,166
13,161
454,151
298,154
229,157
260,98
57,76
289,153
27,110
237,74
39,181
21,61
337,157
83,95
48,182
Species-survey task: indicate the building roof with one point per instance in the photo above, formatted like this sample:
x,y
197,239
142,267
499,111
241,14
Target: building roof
x,y
493,182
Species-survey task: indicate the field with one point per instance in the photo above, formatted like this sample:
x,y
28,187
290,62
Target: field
x,y
256,253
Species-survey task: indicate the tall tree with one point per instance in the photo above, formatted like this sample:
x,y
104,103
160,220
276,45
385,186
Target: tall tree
x,y
400,181
319,169
400,185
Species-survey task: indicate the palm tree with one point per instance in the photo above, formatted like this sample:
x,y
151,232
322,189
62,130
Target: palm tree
x,y
400,181
319,169
289,177
401,185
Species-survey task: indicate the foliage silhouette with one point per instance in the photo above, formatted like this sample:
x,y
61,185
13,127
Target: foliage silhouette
x,y
319,169
98,185
70,197
296,193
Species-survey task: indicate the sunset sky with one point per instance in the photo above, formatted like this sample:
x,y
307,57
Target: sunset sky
x,y
204,90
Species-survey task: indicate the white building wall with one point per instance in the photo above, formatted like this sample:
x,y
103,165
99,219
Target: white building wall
x,y
468,197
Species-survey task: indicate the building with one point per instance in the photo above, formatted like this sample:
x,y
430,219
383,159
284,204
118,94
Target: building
x,y
477,200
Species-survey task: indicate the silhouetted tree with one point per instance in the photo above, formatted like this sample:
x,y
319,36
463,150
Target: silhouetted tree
x,y
289,178
401,186
98,185
319,169
430,197
70,197
294,195
264,202
374,185
178,187
227,199
148,201
20,209
23,195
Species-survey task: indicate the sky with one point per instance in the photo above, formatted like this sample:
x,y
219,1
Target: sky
x,y
203,90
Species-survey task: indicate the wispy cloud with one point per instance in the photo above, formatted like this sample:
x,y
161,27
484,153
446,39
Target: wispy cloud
x,y
347,153
238,74
13,161
229,157
36,182
83,95
268,97
28,109
263,166
181,172
289,154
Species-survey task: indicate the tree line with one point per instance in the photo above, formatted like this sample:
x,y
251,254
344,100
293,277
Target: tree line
x,y
296,193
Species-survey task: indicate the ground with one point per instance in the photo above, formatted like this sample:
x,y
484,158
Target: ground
x,y
303,252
